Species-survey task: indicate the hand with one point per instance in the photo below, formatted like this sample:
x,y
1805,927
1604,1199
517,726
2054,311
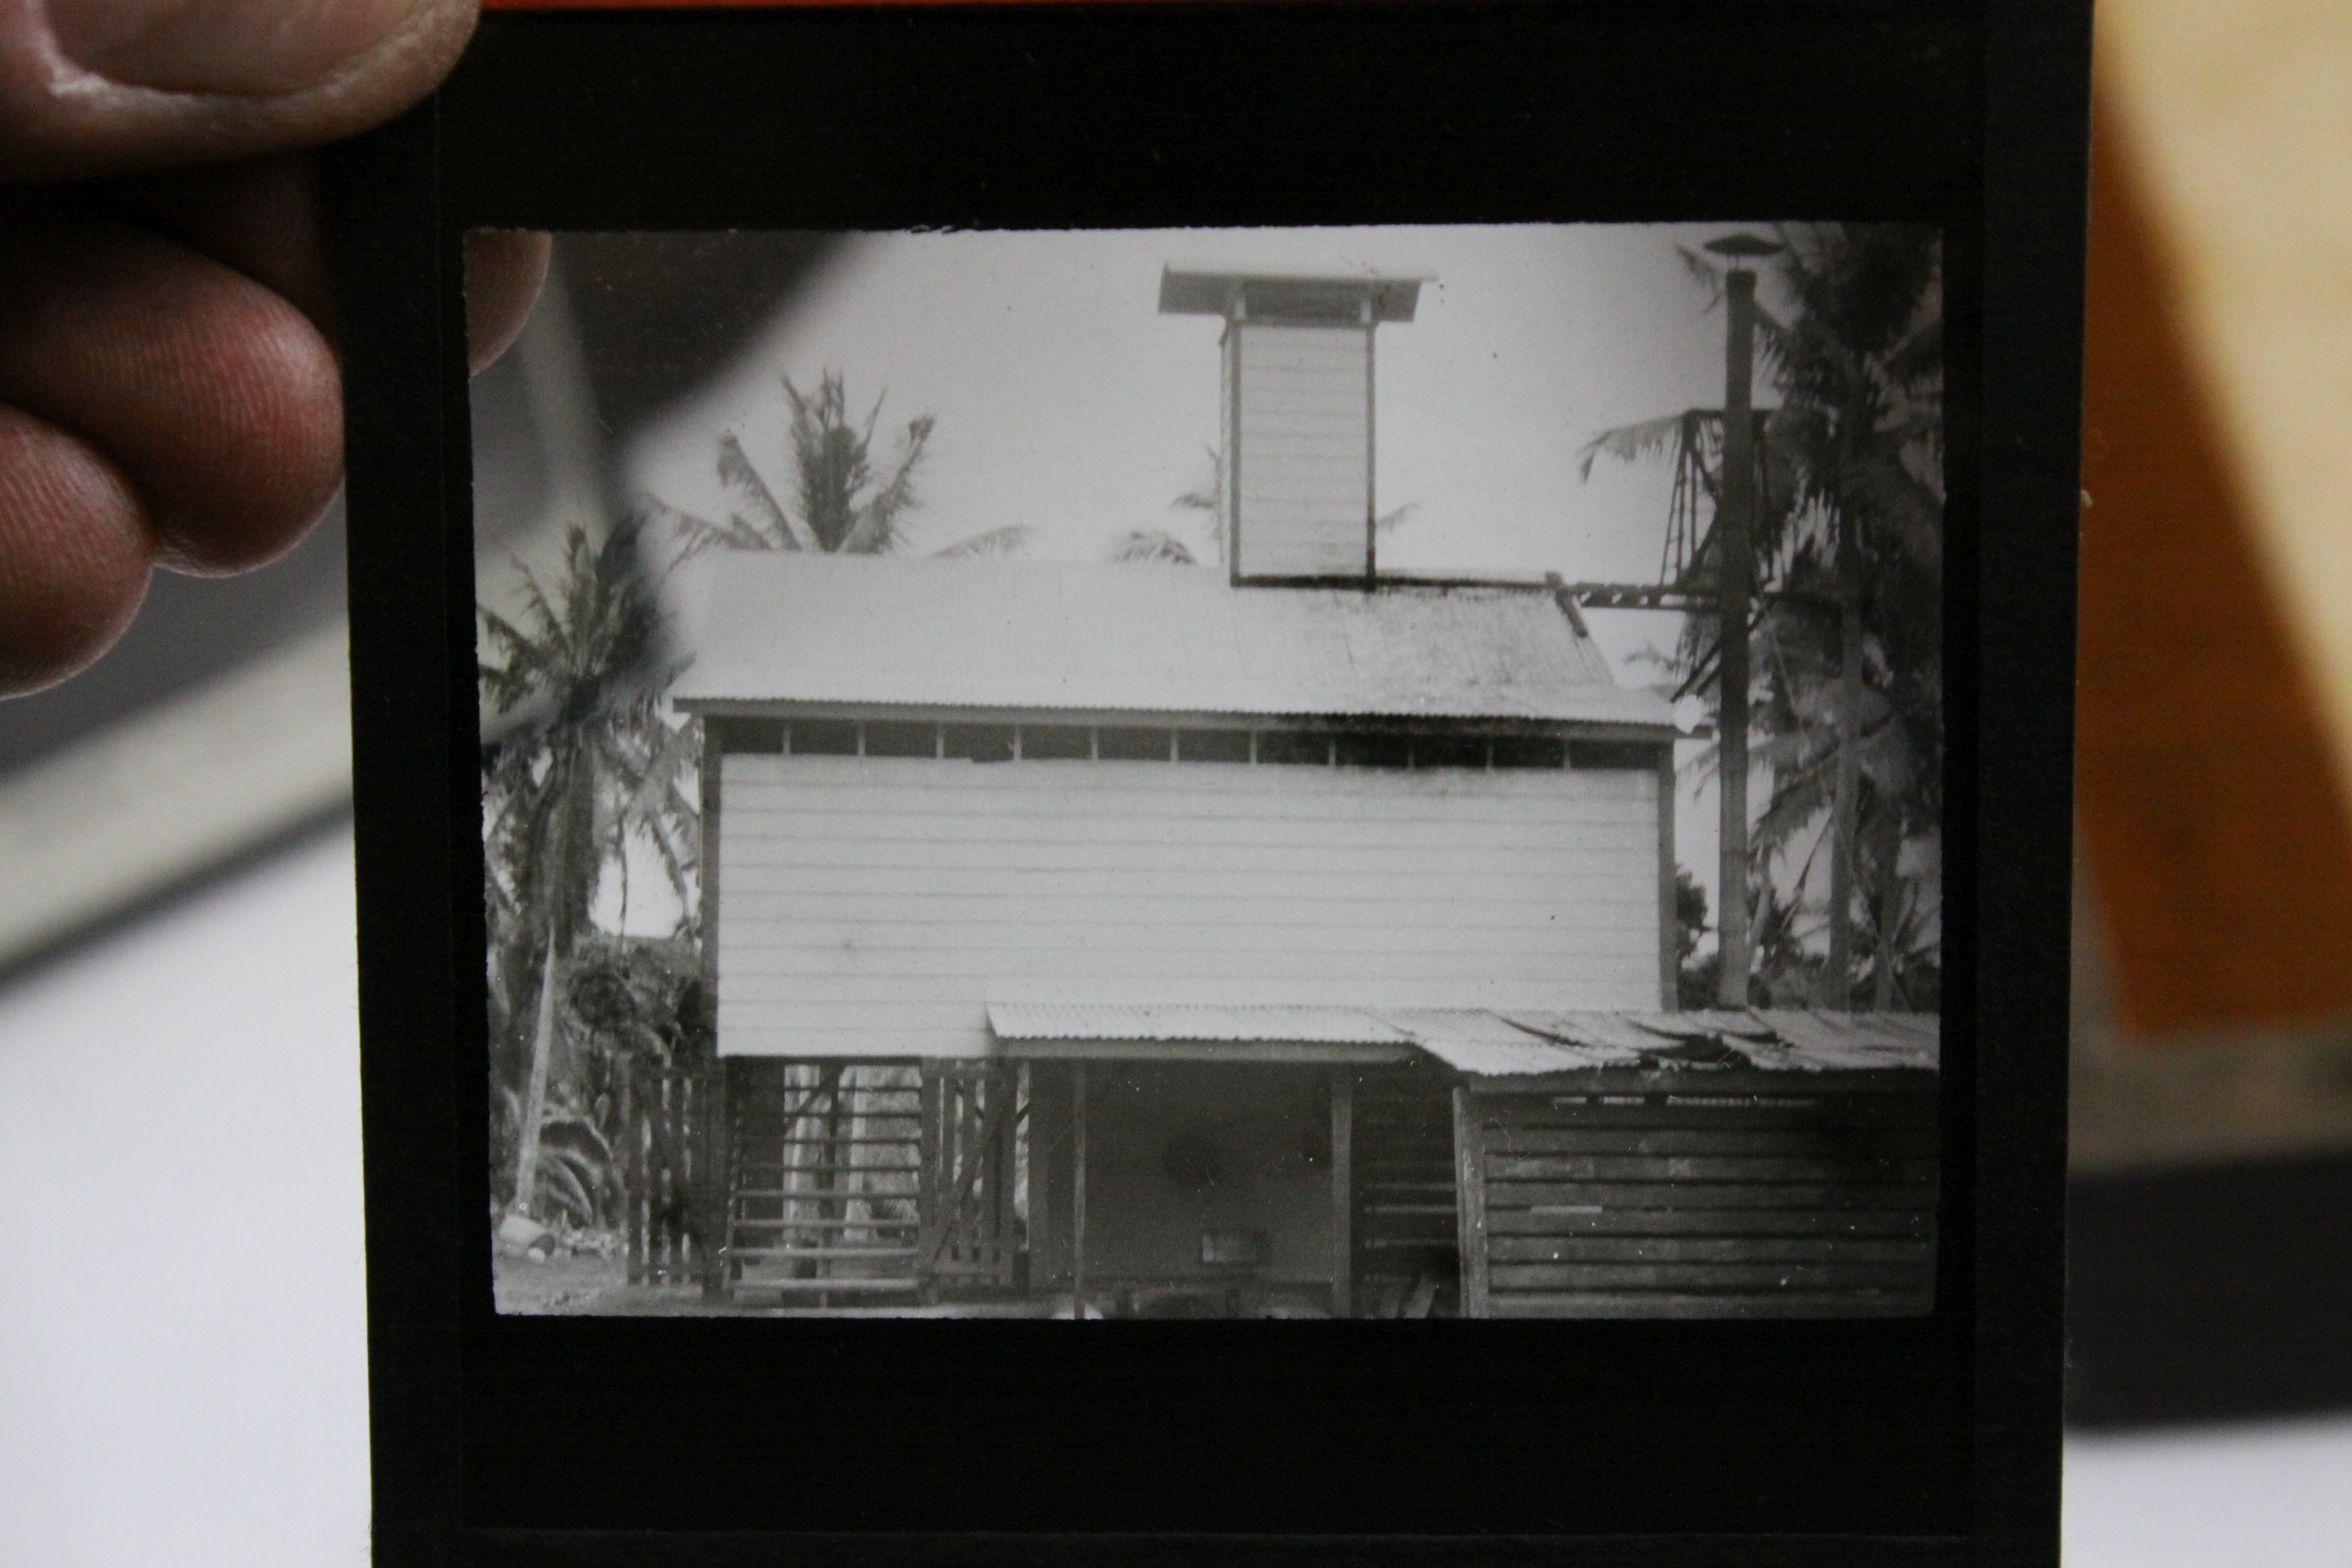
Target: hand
x,y
169,392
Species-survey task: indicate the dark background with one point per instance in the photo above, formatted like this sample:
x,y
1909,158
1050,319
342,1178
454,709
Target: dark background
x,y
1084,116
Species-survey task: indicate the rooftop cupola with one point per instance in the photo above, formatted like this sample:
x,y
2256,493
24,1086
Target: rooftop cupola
x,y
1295,434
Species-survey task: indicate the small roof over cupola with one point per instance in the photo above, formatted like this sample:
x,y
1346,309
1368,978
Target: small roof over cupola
x,y
1298,296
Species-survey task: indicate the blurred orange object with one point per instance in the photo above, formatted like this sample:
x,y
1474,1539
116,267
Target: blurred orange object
x,y
2219,854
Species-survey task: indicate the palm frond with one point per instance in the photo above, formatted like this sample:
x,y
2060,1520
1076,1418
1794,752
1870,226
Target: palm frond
x,y
696,533
769,523
1155,544
1704,271
561,1183
1916,362
1778,346
569,1130
1008,540
1633,443
527,662
1209,494
1900,509
875,531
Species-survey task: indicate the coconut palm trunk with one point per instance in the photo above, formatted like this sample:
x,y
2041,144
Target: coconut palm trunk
x,y
1839,980
1890,912
535,1091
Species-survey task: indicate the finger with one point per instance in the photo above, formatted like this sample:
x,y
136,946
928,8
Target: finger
x,y
505,269
92,87
261,216
73,553
216,397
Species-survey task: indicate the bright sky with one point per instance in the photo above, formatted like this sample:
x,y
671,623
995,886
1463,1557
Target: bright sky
x,y
1066,403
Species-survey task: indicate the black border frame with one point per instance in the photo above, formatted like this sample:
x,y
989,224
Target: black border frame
x,y
1925,1442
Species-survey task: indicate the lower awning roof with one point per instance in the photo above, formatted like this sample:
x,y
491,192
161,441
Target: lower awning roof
x,y
1175,1031
1492,1043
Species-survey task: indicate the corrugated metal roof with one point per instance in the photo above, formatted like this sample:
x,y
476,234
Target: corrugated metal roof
x,y
1511,1042
1770,1039
1520,1058
784,628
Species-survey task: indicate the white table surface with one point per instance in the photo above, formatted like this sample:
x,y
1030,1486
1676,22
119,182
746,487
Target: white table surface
x,y
182,1366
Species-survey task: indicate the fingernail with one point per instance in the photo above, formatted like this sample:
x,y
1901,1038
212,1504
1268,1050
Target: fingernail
x,y
258,47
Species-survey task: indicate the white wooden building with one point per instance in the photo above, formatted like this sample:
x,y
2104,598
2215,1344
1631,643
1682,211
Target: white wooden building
x,y
1121,934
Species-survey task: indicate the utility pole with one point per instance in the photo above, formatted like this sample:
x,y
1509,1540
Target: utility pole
x,y
1735,544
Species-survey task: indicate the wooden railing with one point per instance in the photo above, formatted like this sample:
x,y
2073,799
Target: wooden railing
x,y
664,1157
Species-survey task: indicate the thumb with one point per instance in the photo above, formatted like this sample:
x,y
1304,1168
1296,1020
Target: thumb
x,y
90,87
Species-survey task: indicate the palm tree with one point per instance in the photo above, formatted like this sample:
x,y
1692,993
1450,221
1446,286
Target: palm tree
x,y
850,500
585,762
1846,642
1860,434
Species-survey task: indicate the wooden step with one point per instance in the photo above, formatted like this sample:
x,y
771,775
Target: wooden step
x,y
815,1124
834,1196
813,1254
766,1144
812,1286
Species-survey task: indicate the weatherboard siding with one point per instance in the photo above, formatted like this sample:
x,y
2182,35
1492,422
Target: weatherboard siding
x,y
1305,473
868,904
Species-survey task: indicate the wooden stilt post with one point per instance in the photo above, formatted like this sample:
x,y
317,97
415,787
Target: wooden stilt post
x,y
633,1166
716,1163
718,1126
1048,1137
931,1186
1470,1199
1343,1246
1078,1190
1004,1095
